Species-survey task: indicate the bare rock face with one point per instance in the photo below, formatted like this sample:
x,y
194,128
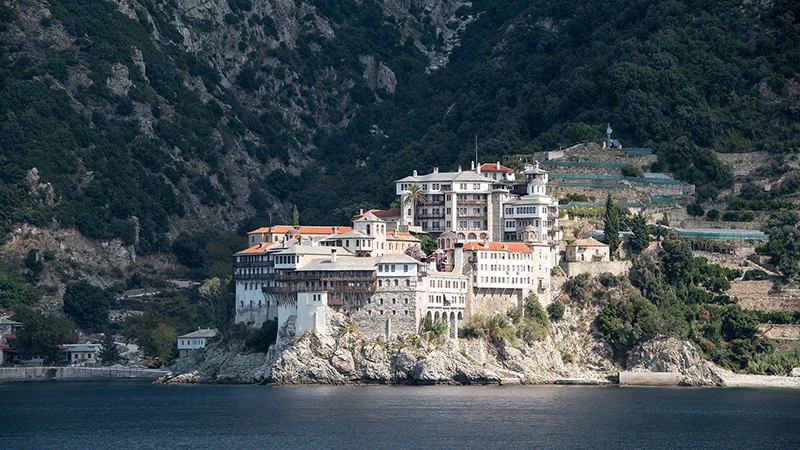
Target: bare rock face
x,y
345,357
673,355
119,82
378,75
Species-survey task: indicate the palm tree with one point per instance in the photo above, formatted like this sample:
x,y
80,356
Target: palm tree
x,y
415,196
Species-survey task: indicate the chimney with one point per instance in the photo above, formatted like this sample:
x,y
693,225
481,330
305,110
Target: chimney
x,y
459,168
335,230
478,165
435,170
473,165
360,211
498,165
485,242
458,257
333,255
415,173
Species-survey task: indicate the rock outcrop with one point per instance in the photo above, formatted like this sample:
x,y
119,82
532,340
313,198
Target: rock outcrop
x,y
673,355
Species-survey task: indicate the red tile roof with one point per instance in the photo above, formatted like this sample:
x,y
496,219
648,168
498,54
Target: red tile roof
x,y
259,248
492,167
514,247
394,212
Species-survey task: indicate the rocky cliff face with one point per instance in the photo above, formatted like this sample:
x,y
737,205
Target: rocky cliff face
x,y
673,355
570,350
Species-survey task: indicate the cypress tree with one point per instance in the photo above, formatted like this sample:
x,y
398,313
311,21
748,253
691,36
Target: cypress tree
x,y
641,236
611,229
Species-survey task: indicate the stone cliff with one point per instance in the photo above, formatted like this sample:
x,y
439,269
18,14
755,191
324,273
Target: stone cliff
x,y
569,350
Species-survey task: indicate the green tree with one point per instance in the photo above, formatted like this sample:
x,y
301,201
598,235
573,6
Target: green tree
x,y
217,299
87,305
641,234
611,227
109,353
42,334
626,323
295,216
555,310
676,258
415,196
427,244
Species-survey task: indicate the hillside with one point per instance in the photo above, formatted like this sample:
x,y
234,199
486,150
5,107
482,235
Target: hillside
x,y
145,119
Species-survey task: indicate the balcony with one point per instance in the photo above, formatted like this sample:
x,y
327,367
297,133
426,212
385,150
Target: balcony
x,y
253,276
433,215
333,282
471,202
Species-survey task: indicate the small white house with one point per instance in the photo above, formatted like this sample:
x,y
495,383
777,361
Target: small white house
x,y
82,354
194,340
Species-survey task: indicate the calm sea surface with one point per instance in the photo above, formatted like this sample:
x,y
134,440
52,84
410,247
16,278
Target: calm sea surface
x,y
130,414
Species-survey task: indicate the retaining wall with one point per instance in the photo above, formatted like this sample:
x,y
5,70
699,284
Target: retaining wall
x,y
78,373
596,268
649,378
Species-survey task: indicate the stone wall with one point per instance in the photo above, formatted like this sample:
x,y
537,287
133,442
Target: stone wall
x,y
781,331
760,295
596,268
495,301
389,312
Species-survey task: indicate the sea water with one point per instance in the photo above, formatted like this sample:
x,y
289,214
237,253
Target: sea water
x,y
132,414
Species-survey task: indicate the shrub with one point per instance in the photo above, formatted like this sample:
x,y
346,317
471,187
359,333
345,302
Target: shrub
x,y
631,171
261,339
437,328
609,280
555,311
577,287
695,210
712,215
755,274
778,363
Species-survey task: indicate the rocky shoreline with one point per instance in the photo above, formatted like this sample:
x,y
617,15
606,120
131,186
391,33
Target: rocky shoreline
x,y
569,351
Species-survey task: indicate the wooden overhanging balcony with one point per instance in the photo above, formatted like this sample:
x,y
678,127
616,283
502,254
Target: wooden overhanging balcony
x,y
331,282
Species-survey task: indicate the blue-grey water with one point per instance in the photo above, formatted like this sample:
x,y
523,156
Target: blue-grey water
x,y
129,414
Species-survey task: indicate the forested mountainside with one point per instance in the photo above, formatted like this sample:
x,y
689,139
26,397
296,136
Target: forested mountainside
x,y
146,118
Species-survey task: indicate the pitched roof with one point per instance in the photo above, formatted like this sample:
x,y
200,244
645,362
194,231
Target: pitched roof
x,y
588,242
369,216
302,229
393,212
204,333
257,249
7,321
495,167
465,176
401,236
514,247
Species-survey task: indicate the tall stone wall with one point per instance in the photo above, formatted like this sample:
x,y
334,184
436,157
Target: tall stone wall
x,y
596,268
388,313
493,301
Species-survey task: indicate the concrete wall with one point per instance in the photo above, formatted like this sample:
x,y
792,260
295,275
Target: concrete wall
x,y
311,307
650,378
596,268
78,373
252,306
